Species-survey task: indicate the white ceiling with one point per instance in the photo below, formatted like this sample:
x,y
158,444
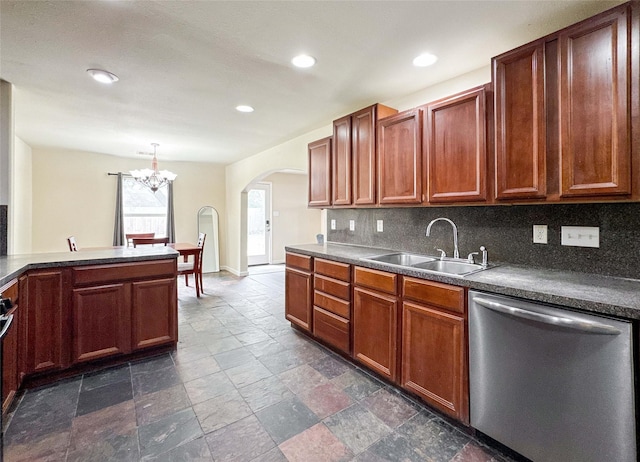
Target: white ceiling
x,y
185,65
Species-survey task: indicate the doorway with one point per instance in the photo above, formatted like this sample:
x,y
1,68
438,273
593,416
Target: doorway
x,y
259,224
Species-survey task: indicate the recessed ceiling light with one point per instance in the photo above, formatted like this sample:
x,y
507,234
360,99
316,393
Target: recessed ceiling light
x,y
303,61
243,108
102,76
424,60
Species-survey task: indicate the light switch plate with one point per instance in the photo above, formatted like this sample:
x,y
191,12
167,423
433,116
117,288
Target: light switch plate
x,y
352,225
333,225
379,226
581,236
539,234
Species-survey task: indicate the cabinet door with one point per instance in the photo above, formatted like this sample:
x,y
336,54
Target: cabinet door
x,y
320,173
154,313
341,162
10,378
456,148
44,320
518,77
594,85
400,158
434,363
363,134
101,322
297,300
375,327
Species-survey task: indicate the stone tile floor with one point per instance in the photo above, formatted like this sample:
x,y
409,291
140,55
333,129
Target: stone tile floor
x,y
242,385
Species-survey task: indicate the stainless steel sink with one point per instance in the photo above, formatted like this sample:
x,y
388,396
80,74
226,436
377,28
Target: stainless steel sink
x,y
449,267
401,259
455,268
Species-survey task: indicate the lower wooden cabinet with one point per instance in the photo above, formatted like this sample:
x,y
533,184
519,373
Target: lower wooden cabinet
x,y
154,313
101,322
332,303
298,291
10,369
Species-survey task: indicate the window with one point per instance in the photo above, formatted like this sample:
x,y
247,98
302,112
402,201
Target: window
x,y
144,211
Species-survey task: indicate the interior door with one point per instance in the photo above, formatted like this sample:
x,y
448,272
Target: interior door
x,y
259,224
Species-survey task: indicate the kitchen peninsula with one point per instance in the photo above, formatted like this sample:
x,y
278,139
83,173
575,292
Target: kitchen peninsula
x,y
75,311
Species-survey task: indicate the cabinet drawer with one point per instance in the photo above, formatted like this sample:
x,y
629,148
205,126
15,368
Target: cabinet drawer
x,y
433,293
302,262
124,271
331,286
10,290
331,328
333,269
333,304
377,280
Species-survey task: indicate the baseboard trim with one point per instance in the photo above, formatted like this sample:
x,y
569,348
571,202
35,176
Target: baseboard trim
x,y
235,272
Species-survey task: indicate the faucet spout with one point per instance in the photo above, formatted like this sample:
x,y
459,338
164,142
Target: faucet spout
x,y
456,253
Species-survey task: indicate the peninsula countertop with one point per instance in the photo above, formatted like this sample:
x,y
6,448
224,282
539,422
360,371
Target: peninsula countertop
x,y
12,266
581,291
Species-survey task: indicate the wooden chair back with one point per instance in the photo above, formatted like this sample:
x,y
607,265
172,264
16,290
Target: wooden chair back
x,y
149,241
130,236
73,246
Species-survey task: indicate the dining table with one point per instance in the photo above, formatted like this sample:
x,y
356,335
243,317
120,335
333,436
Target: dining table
x,y
186,249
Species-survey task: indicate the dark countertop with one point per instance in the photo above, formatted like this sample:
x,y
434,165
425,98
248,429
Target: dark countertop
x,y
13,266
581,291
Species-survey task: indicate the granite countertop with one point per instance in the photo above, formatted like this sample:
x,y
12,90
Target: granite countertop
x,y
14,265
581,291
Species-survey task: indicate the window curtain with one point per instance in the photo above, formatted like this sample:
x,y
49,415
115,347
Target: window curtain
x,y
118,228
171,222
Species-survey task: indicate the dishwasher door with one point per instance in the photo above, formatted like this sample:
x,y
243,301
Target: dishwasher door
x,y
551,384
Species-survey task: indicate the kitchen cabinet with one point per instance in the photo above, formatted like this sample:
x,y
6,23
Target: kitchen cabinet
x,y
341,162
320,173
298,291
594,106
375,321
564,112
10,369
332,303
434,344
120,308
455,148
45,339
400,158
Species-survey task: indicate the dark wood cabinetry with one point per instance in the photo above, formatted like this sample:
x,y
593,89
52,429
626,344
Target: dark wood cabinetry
x,y
10,368
320,173
298,290
375,321
341,162
434,345
45,318
400,158
153,313
332,303
455,147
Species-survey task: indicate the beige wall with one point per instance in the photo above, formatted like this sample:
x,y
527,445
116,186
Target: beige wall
x,y
73,195
20,209
292,222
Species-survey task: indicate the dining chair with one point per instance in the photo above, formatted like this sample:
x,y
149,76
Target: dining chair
x,y
73,246
188,267
130,236
149,241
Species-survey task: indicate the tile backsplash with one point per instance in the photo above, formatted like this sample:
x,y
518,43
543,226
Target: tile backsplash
x,y
506,232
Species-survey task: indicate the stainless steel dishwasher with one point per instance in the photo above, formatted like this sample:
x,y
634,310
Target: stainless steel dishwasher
x,y
551,384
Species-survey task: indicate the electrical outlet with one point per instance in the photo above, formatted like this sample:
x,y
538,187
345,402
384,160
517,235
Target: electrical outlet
x,y
352,225
539,234
333,225
379,226
581,236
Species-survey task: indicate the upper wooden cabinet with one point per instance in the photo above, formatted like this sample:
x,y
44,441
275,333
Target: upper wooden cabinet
x,y
400,158
320,173
564,111
455,148
595,118
519,90
341,162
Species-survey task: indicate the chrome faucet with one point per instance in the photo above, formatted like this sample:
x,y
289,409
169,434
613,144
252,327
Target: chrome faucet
x,y
456,254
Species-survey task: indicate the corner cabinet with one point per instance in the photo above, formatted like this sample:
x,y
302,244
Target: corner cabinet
x,y
11,371
298,290
320,173
400,158
455,148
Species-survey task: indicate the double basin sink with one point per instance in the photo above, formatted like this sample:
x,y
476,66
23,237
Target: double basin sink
x,y
444,266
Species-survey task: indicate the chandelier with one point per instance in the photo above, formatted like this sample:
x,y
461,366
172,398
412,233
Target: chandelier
x,y
153,178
